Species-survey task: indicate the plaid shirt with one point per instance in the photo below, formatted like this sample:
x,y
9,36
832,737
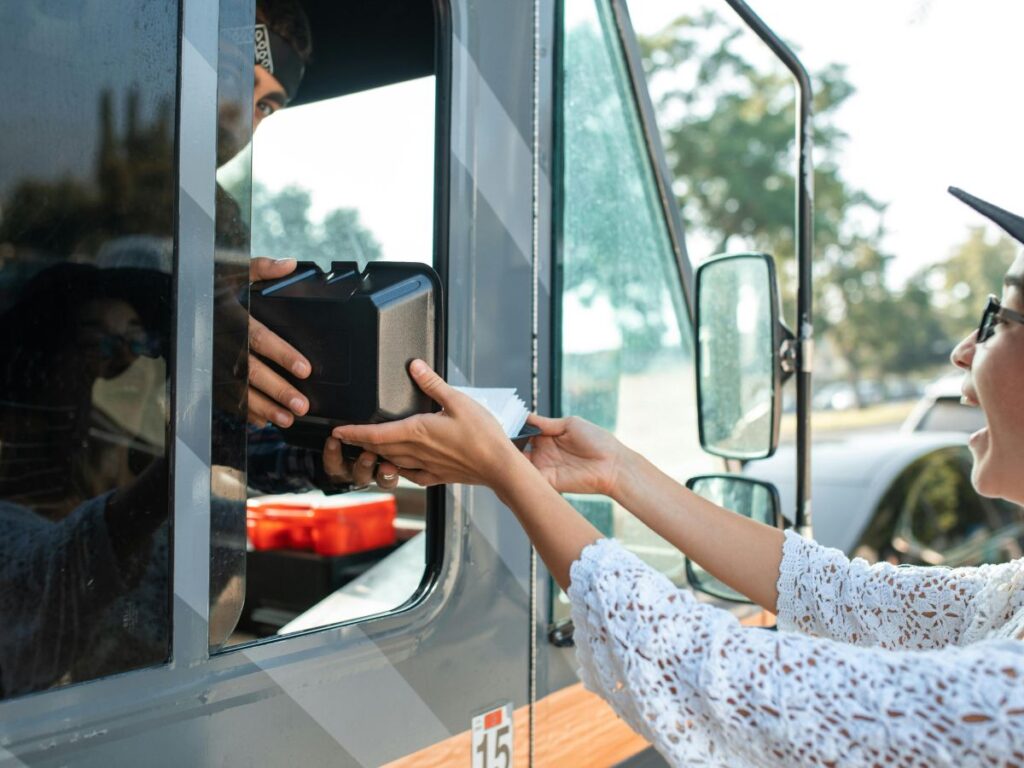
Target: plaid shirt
x,y
274,466
271,464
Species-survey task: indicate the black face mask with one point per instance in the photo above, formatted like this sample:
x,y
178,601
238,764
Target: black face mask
x,y
280,59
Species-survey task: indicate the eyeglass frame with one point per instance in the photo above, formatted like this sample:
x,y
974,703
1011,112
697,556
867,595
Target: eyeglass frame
x,y
994,310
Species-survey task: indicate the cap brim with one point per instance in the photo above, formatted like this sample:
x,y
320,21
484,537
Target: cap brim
x,y
1011,223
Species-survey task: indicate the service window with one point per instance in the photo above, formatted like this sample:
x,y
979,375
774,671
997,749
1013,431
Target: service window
x,y
87,190
344,172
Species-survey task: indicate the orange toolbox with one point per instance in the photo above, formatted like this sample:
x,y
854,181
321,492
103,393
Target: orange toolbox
x,y
327,525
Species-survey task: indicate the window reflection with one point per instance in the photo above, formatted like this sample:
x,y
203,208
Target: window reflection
x,y
86,204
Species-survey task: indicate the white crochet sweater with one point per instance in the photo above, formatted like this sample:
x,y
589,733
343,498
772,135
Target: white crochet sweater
x,y
899,666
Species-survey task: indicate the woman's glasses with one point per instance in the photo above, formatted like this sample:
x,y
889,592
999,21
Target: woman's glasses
x,y
994,314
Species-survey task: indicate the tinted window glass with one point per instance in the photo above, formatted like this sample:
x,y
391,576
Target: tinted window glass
x,y
626,340
86,221
932,515
942,508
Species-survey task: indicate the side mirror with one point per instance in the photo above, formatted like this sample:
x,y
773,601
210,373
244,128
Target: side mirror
x,y
751,498
739,356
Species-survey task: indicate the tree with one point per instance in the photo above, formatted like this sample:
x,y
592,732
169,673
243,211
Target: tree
x,y
282,227
961,284
727,114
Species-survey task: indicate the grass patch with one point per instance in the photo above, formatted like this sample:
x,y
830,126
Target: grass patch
x,y
881,415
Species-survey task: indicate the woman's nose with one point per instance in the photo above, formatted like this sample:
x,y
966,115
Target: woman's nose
x,y
963,353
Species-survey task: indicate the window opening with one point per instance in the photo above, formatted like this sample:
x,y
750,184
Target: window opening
x,y
344,173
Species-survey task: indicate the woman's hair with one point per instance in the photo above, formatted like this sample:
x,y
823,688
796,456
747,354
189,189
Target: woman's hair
x,y
286,18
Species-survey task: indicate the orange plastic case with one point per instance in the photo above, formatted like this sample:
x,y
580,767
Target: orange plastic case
x,y
329,526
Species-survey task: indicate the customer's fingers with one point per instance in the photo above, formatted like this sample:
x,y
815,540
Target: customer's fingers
x,y
433,385
374,436
405,460
387,475
335,465
362,469
420,477
547,425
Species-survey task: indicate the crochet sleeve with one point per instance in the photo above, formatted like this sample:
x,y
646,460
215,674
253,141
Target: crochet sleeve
x,y
823,593
706,691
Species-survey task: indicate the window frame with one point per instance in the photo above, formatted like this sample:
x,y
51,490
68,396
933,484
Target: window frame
x,y
435,513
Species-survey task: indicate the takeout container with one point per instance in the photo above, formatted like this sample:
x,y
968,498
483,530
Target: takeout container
x,y
359,329
329,526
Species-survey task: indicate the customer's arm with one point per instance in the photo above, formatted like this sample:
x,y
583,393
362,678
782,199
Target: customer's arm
x,y
686,676
707,691
812,588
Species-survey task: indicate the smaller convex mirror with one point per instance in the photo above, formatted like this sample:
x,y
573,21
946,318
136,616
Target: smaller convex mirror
x,y
751,498
739,388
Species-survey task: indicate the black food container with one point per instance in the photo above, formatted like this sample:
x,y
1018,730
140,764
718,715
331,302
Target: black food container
x,y
359,331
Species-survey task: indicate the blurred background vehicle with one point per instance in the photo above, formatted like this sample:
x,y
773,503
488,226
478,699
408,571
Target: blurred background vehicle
x,y
940,409
901,497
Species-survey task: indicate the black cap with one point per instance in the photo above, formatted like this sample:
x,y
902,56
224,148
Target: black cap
x,y
1010,222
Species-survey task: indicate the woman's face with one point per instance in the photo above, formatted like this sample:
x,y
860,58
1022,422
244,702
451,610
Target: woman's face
x,y
995,382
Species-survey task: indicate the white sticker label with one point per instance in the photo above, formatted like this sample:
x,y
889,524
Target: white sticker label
x,y
492,738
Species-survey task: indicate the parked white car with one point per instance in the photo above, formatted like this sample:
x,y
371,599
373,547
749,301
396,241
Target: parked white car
x,y
940,410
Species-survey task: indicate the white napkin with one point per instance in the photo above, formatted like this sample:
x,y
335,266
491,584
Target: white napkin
x,y
504,404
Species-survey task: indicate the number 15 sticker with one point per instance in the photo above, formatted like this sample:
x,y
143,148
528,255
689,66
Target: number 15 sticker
x,y
492,738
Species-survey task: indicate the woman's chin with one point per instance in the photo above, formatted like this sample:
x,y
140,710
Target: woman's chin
x,y
980,478
987,477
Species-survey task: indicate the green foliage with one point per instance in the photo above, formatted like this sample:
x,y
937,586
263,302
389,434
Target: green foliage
x,y
613,231
727,114
962,283
282,228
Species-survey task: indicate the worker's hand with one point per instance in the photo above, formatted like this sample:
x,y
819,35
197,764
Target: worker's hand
x,y
462,444
575,456
359,472
271,398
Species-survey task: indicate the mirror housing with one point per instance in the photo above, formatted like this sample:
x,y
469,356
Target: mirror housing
x,y
755,499
740,357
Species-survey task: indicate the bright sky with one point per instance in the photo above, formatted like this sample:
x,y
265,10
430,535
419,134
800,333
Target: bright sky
x,y
937,104
373,151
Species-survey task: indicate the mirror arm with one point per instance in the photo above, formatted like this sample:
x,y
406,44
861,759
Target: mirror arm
x,y
804,254
789,353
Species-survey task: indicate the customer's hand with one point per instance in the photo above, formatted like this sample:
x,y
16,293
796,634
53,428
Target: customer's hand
x,y
576,456
361,471
271,397
462,444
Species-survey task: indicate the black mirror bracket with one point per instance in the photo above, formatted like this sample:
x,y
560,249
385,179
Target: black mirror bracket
x,y
789,353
